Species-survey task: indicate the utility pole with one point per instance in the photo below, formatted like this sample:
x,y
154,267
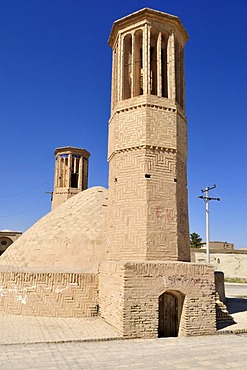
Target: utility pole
x,y
207,199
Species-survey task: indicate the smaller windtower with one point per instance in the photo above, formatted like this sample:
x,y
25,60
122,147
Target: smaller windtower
x,y
71,173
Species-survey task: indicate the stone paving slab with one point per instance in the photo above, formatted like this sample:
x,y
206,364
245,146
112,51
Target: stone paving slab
x,y
210,352
29,329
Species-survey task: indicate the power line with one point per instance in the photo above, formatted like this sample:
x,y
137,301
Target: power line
x,y
25,191
26,209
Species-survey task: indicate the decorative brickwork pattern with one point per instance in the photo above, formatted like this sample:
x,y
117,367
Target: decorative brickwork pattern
x,y
148,214
49,294
146,124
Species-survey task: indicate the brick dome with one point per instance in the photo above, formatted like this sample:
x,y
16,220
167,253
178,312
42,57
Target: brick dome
x,y
69,238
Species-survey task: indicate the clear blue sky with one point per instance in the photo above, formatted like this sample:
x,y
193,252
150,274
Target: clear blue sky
x,y
55,70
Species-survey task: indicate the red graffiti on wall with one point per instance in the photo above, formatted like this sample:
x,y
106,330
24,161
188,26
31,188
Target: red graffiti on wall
x,y
165,215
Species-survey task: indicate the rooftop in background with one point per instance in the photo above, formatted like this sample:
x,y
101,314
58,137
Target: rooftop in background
x,y
219,246
7,237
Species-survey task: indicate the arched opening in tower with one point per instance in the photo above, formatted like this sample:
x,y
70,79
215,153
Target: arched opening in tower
x,y
127,68
74,172
164,65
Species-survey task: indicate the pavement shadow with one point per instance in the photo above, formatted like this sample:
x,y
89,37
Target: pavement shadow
x,y
235,305
223,325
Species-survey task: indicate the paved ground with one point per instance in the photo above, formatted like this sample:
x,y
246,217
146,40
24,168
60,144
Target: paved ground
x,y
211,352
62,343
237,307
236,290
16,329
26,329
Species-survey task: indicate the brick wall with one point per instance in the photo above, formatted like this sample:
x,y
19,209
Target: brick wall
x,y
49,294
139,286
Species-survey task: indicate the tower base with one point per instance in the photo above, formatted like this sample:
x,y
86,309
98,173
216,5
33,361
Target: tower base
x,y
147,299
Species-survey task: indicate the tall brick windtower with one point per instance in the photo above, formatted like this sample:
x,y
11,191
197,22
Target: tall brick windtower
x,y
71,173
147,285
148,206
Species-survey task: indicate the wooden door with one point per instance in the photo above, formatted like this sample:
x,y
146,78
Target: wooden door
x,y
168,315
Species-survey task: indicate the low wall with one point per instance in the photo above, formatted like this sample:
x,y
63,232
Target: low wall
x,y
49,294
111,294
233,265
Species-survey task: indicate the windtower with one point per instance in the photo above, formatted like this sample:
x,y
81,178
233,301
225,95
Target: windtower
x,y
147,152
71,173
147,285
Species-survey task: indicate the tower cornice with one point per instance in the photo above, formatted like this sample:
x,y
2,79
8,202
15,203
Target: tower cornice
x,y
150,101
72,150
139,147
149,15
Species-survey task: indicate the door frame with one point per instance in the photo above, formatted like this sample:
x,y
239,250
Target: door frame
x,y
179,300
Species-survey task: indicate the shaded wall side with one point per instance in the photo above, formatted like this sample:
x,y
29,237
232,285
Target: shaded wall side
x,y
111,291
181,191
162,241
49,294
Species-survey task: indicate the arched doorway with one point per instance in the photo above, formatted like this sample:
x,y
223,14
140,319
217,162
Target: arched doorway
x,y
170,309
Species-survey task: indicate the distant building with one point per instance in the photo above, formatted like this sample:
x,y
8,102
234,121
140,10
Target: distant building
x,y
233,262
7,237
218,246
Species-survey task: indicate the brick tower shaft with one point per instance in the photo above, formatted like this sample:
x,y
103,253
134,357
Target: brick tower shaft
x,y
147,152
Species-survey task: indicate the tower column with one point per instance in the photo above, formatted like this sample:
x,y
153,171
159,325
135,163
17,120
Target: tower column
x,y
56,173
146,60
113,92
132,64
159,69
171,67
80,185
68,180
120,66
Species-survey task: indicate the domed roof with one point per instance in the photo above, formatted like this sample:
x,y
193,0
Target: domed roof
x,y
69,238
